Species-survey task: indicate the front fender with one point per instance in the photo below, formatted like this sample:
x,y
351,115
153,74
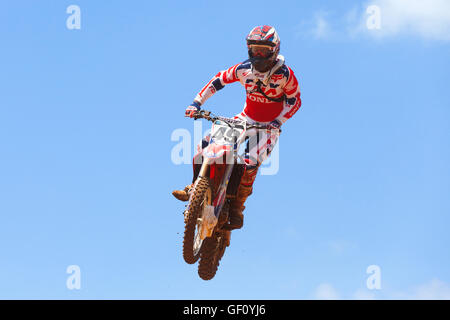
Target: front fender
x,y
214,151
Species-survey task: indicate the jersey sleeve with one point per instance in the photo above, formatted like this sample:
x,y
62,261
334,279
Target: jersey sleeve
x,y
217,83
293,101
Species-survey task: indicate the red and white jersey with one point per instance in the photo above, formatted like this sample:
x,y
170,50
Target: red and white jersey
x,y
276,83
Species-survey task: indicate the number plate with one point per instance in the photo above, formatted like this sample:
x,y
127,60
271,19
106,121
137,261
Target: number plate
x,y
223,134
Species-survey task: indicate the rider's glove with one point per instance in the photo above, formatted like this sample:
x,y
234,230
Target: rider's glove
x,y
191,109
275,124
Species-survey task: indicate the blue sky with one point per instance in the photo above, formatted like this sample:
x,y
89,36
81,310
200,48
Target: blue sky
x,y
86,118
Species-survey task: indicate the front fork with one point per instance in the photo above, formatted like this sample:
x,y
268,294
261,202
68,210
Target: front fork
x,y
219,199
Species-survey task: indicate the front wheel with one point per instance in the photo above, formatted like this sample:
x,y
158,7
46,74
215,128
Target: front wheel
x,y
200,197
212,252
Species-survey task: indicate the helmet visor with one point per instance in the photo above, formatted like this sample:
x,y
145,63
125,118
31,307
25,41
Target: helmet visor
x,y
260,51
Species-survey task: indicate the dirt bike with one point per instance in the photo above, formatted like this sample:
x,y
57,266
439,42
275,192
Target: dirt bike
x,y
216,181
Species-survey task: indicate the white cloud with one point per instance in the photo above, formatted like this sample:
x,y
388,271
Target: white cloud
x,y
321,27
339,247
325,291
364,294
317,26
428,19
434,290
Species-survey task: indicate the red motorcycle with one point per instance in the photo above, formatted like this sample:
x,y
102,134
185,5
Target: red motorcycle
x,y
217,179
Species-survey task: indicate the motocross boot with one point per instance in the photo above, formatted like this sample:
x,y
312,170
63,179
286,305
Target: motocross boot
x,y
236,220
182,195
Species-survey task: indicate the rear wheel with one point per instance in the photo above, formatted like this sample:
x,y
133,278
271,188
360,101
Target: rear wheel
x,y
200,197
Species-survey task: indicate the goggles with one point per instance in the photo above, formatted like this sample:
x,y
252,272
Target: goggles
x,y
260,51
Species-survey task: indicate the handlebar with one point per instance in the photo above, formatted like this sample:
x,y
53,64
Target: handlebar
x,y
204,114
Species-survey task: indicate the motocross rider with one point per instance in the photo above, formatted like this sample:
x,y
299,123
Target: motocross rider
x,y
272,97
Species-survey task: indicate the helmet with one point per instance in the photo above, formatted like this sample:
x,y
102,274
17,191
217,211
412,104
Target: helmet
x,y
263,46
